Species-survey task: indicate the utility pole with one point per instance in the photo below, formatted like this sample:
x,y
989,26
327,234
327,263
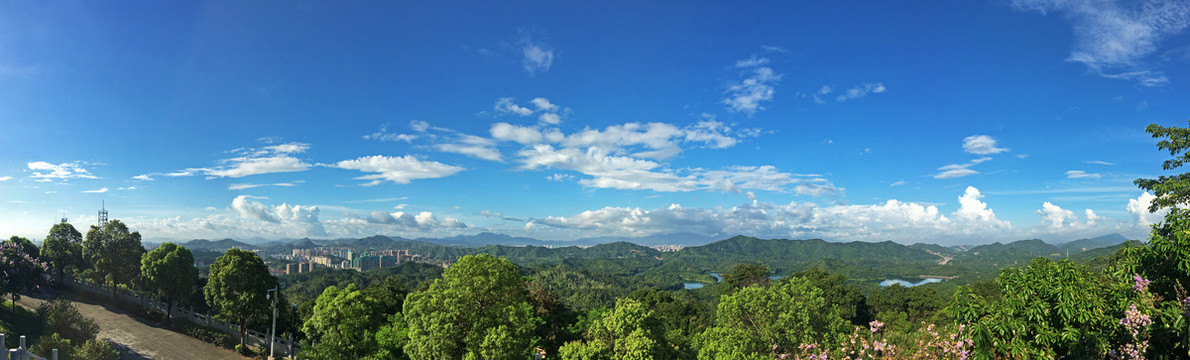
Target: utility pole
x,y
273,333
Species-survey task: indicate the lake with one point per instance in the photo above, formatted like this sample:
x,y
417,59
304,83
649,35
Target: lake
x,y
907,283
698,285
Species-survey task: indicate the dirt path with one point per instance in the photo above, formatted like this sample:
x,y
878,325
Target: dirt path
x,y
136,339
945,259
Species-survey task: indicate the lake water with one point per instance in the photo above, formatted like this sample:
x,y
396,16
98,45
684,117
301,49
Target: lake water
x,y
907,283
698,285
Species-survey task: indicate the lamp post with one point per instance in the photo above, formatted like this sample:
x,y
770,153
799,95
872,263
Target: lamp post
x,y
273,333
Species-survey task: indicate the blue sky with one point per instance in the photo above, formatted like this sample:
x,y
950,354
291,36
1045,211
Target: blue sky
x,y
935,121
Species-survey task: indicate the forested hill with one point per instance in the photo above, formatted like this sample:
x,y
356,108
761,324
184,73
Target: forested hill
x,y
749,249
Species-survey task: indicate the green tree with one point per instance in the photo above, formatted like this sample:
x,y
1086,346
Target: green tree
x,y
846,298
683,316
343,325
64,318
477,310
631,331
115,253
903,308
745,275
26,246
236,289
63,249
169,270
1047,310
1174,190
762,323
45,347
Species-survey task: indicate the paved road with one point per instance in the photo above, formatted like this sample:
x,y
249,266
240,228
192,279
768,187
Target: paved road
x,y
136,338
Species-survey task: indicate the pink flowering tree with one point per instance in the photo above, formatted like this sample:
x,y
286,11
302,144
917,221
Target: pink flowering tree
x,y
20,270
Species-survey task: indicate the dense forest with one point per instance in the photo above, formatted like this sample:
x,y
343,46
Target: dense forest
x,y
778,299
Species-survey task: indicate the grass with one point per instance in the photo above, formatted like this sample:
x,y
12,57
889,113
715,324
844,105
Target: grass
x,y
22,321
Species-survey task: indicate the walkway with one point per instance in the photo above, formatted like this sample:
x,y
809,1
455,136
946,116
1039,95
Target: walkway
x,y
135,338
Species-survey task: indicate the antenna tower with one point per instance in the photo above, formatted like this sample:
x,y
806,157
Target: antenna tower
x,y
103,215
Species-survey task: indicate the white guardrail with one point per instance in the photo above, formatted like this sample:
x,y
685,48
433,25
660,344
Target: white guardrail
x,y
283,347
22,353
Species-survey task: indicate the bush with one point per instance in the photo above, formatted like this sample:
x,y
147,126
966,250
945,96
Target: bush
x,y
206,334
97,350
64,318
45,348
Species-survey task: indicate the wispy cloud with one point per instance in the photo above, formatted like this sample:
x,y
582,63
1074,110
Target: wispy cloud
x,y
5,178
1115,39
1080,174
757,86
96,191
384,135
860,91
397,169
959,170
536,56
1098,162
248,161
251,186
46,171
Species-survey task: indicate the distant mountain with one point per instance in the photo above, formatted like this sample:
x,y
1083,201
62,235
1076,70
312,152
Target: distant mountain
x,y
217,245
487,238
1082,245
725,253
681,238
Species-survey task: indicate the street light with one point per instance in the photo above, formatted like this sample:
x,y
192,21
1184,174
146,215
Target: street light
x,y
273,333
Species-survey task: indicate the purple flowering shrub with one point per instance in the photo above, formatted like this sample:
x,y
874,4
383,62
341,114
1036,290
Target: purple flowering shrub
x,y
20,271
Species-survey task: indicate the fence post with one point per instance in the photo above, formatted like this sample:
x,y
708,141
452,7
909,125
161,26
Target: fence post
x,y
55,354
3,345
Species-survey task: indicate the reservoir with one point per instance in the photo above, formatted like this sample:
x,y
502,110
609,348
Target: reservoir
x,y
698,285
907,283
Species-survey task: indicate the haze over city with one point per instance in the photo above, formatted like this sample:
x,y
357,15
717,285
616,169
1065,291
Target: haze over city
x,y
951,123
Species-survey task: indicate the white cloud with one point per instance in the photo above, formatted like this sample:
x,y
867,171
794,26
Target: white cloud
x,y
422,220
1079,174
397,169
1098,162
1139,208
550,118
520,134
981,145
506,106
474,146
305,217
1056,216
860,91
544,104
959,170
126,188
250,186
71,170
96,191
746,95
1092,218
1115,39
559,177
751,62
384,135
538,57
5,178
895,220
898,183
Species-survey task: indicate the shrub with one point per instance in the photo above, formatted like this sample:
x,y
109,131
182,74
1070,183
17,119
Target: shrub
x,y
64,318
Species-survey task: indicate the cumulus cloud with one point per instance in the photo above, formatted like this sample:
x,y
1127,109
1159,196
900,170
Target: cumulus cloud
x,y
63,171
1079,174
422,220
891,220
305,217
1056,216
397,169
1116,39
1139,208
981,145
506,106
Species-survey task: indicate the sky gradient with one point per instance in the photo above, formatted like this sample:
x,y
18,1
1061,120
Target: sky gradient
x,y
934,121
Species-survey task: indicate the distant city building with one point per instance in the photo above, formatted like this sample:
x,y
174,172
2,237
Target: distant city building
x,y
291,268
365,263
668,248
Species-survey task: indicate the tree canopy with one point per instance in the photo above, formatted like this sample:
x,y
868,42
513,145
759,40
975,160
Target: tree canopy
x,y
63,249
169,270
236,288
477,310
115,252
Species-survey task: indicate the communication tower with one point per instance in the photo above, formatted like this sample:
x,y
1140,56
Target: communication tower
x,y
103,215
